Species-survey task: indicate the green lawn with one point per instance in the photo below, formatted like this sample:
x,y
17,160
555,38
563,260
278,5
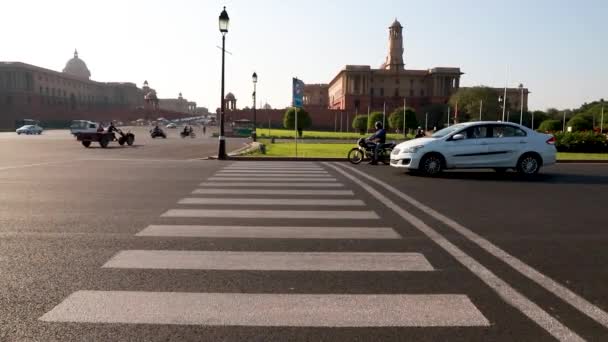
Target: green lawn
x,y
323,150
287,134
581,156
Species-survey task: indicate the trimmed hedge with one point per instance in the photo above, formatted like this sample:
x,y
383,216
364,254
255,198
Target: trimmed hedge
x,y
587,142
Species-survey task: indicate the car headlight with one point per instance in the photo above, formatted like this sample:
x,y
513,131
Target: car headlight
x,y
413,149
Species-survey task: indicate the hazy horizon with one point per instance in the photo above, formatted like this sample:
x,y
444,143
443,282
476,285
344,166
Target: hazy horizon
x,y
553,47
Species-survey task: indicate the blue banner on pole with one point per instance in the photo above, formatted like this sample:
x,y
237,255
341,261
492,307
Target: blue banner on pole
x,y
298,93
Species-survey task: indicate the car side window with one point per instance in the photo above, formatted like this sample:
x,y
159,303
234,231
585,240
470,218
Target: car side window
x,y
507,131
91,125
475,132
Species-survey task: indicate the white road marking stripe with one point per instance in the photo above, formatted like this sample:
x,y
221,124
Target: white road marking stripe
x,y
273,176
288,310
271,172
504,290
272,185
283,214
269,164
273,192
272,201
258,179
262,232
270,261
289,168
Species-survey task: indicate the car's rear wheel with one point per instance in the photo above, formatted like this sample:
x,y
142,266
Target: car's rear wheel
x,y
356,156
431,164
529,164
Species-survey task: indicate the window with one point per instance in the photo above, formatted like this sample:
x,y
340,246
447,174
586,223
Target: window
x,y
396,81
371,91
381,91
475,132
411,92
507,131
411,83
421,92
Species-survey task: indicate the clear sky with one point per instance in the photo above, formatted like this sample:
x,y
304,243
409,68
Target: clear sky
x,y
556,48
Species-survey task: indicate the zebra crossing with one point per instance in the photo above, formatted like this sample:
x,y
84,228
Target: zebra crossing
x,y
290,196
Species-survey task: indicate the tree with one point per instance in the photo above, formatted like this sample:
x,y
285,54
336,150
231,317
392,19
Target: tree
x,y
396,119
373,118
304,120
360,123
580,122
550,126
469,101
436,113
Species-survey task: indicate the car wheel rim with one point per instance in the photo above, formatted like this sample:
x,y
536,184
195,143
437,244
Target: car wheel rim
x,y
529,165
432,165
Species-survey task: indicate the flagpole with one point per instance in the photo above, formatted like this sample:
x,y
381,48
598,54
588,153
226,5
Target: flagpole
x,y
296,135
480,108
602,121
367,127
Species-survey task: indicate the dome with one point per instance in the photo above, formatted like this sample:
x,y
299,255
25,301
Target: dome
x,y
230,97
396,23
77,67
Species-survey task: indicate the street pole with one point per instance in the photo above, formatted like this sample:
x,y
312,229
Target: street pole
x,y
255,82
532,121
222,149
367,127
480,108
404,134
564,124
448,116
504,103
521,112
384,116
426,122
296,135
602,121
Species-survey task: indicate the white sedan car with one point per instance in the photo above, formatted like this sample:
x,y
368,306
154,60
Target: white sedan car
x,y
29,129
171,125
495,145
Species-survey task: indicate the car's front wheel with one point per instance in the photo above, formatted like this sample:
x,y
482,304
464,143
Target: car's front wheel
x,y
529,164
431,164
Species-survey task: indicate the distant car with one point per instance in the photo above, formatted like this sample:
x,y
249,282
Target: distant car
x,y
171,125
29,129
83,126
495,145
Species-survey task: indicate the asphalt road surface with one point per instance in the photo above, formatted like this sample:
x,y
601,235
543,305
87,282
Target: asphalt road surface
x,y
151,244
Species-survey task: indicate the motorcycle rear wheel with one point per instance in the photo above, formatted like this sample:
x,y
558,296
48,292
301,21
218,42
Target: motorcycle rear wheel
x,y
355,156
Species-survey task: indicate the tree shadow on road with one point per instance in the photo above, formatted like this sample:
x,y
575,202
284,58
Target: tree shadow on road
x,y
547,178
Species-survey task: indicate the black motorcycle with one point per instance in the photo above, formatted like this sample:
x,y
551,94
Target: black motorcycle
x,y
157,133
190,134
365,151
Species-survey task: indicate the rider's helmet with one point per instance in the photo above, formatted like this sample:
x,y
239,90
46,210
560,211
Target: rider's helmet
x,y
378,125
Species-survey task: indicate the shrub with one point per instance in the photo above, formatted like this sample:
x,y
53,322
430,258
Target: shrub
x,y
304,120
580,123
395,120
373,117
586,142
550,126
360,123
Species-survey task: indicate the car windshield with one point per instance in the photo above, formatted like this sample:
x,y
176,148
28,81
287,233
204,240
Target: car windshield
x,y
448,130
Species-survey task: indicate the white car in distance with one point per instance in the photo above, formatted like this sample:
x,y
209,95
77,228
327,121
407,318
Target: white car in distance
x,y
474,145
29,129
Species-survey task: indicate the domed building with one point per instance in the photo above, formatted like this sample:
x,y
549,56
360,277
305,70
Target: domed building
x,y
77,67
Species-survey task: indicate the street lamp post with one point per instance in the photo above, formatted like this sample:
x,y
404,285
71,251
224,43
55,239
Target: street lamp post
x,y
501,106
224,20
254,78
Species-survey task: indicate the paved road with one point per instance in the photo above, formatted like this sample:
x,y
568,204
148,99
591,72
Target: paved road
x,y
167,248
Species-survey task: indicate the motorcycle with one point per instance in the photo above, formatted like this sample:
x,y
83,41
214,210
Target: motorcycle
x,y
365,151
157,134
189,134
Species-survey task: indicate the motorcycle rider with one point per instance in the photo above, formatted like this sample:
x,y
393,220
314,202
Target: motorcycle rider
x,y
186,131
379,138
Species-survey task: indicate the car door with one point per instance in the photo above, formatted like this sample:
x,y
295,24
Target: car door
x,y
470,151
506,145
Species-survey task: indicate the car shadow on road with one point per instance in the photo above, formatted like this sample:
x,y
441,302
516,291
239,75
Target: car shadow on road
x,y
548,178
115,147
